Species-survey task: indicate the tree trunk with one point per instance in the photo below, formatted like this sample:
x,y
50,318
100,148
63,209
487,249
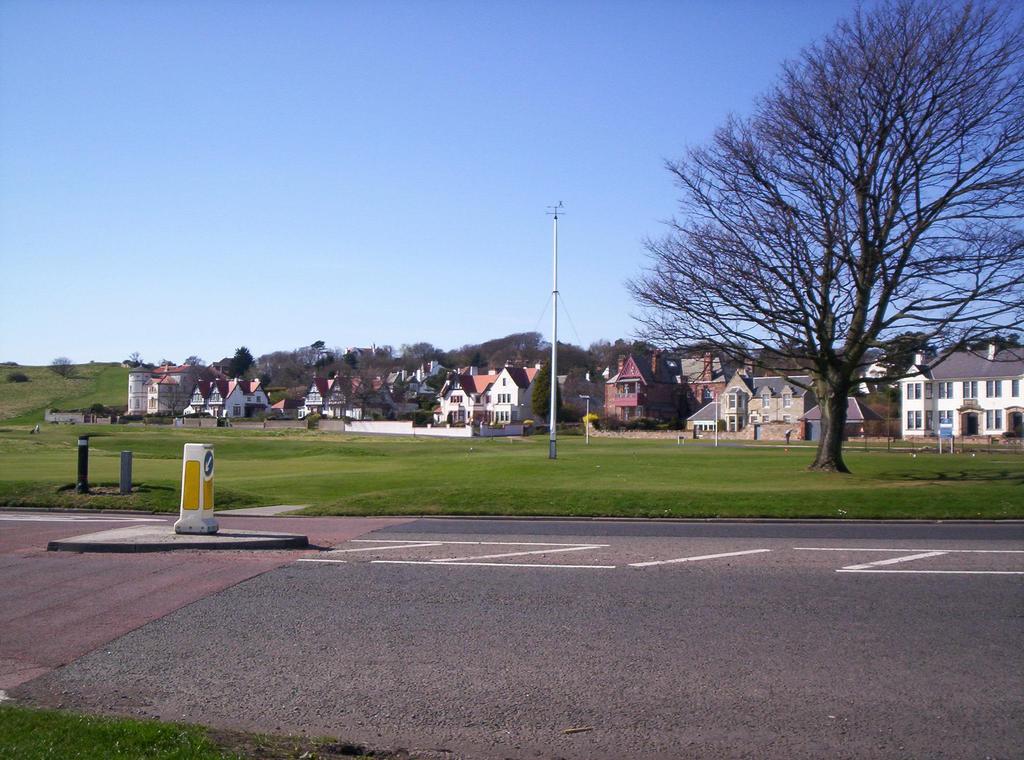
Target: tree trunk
x,y
829,457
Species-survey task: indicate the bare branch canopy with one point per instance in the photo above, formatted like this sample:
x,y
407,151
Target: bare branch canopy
x,y
875,190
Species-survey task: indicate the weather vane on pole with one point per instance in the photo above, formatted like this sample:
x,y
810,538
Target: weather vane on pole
x,y
553,409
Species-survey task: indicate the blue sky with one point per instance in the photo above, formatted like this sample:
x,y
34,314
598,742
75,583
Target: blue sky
x,y
184,178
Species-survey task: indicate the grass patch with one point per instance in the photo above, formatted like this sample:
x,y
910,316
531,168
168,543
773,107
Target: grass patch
x,y
352,475
24,403
27,734
30,734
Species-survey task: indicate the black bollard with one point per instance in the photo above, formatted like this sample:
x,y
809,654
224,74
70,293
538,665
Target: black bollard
x,y
126,473
83,465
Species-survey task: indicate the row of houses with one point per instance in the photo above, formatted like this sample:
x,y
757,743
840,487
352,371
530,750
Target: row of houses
x,y
966,393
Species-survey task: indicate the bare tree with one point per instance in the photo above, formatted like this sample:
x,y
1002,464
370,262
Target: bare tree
x,y
62,366
876,190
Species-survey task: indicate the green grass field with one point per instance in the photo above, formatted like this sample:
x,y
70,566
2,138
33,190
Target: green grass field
x,y
24,403
340,474
30,734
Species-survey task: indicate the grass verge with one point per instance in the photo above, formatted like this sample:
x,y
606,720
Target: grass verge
x,y
33,734
351,475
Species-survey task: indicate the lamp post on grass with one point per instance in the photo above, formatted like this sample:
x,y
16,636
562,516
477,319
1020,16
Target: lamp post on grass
x,y
586,420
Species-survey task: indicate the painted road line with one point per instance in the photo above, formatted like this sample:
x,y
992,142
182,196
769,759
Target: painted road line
x,y
468,543
696,559
896,560
485,564
896,551
936,572
330,561
520,554
76,518
386,548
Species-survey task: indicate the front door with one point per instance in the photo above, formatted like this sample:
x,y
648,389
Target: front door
x,y
1017,423
970,424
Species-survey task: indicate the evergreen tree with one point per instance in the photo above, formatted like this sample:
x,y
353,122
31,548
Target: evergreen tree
x,y
241,362
541,399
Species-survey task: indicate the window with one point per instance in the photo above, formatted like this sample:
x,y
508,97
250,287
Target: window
x,y
927,390
994,419
732,400
910,420
913,390
917,420
993,388
787,418
946,417
928,420
970,388
913,420
946,390
787,400
237,411
766,400
504,382
1015,387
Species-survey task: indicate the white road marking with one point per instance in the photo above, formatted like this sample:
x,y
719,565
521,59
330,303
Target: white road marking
x,y
76,518
937,572
331,561
896,551
520,554
895,560
435,563
467,543
385,548
695,559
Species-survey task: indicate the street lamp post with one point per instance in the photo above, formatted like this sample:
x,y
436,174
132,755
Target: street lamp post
x,y
717,412
586,420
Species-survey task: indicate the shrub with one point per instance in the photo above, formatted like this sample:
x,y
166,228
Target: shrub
x,y
17,377
312,421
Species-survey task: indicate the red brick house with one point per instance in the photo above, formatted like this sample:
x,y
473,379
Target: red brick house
x,y
648,386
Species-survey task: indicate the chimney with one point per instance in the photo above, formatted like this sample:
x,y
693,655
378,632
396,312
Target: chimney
x,y
919,358
705,374
991,352
622,361
654,360
474,371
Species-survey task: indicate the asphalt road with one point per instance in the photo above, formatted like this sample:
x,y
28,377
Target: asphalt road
x,y
499,639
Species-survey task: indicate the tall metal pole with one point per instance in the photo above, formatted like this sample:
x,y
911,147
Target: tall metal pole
x,y
717,413
553,410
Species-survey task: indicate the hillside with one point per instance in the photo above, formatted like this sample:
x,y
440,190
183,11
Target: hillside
x,y
24,403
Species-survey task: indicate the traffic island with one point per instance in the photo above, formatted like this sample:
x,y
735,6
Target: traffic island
x,y
157,538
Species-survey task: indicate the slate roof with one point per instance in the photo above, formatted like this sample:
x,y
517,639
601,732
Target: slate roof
x,y
855,412
968,365
705,414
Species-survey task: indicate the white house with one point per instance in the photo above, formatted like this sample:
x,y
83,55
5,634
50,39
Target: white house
x,y
979,393
227,398
465,397
510,395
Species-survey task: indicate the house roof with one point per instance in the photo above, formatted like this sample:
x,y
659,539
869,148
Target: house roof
x,y
705,414
634,370
521,376
774,384
855,412
287,403
974,364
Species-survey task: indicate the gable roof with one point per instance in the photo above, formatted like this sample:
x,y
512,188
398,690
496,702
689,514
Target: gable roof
x,y
634,370
974,364
855,412
521,376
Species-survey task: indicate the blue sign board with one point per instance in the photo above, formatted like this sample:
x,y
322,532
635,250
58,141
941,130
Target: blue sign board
x,y
946,430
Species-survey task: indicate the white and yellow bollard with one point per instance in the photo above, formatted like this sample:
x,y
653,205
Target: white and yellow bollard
x,y
197,490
